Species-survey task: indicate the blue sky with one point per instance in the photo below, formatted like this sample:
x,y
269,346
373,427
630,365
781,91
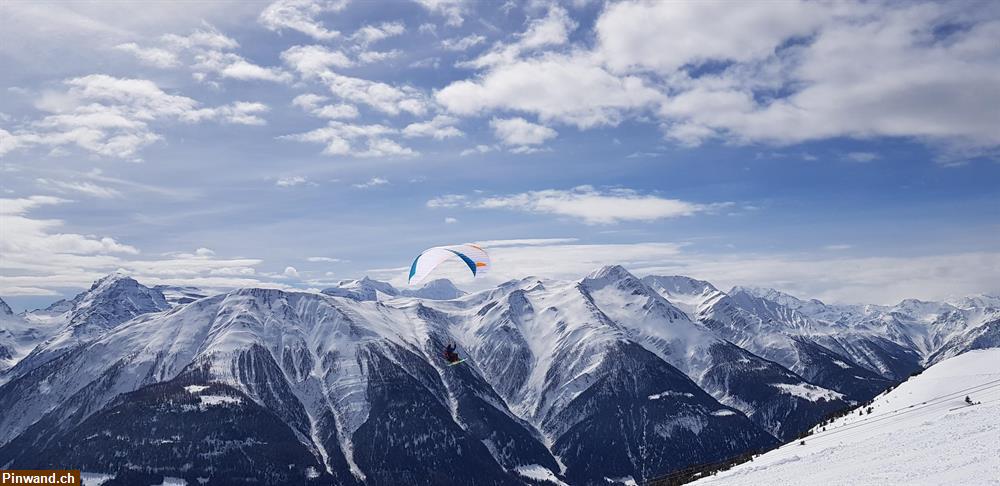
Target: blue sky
x,y
845,151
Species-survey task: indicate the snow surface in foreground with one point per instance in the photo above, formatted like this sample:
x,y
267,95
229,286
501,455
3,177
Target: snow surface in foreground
x,y
919,433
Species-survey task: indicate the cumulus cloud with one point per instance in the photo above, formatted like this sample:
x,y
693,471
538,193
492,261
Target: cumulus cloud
x,y
555,87
209,54
452,10
312,103
447,201
552,30
312,61
518,131
439,128
373,182
462,43
152,56
340,139
112,116
369,57
369,34
748,73
586,203
301,16
450,220
233,66
291,181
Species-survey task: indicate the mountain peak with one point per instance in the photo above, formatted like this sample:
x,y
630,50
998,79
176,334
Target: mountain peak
x,y
610,272
772,295
679,284
438,289
365,288
5,309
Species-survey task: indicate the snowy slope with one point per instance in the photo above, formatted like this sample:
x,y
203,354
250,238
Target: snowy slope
x,y
110,301
854,349
919,433
179,295
371,289
18,336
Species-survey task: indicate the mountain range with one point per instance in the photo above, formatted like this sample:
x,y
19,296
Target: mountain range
x,y
610,378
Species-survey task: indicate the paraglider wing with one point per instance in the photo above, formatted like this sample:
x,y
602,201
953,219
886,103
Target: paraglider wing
x,y
473,256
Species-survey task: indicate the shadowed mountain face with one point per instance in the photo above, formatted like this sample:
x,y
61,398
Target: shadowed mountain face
x,y
607,377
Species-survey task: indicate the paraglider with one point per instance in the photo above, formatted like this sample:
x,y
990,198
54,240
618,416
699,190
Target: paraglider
x,y
473,256
451,356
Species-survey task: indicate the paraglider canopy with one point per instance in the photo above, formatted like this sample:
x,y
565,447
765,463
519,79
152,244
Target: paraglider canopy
x,y
473,256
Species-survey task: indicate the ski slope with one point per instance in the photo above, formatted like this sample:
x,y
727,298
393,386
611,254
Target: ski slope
x,y
922,432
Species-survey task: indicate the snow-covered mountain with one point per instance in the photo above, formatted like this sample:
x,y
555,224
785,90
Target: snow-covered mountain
x,y
920,433
18,337
180,294
856,350
370,289
361,388
65,324
610,376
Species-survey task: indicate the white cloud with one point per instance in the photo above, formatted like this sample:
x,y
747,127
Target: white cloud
x,y
567,88
838,247
370,34
311,103
862,156
41,257
324,259
450,220
447,201
525,242
291,272
371,57
339,139
152,56
549,31
111,116
373,182
552,30
308,101
386,98
312,61
585,203
81,187
301,16
291,181
208,39
452,10
234,66
440,128
462,43
478,149
873,279
746,73
663,37
518,131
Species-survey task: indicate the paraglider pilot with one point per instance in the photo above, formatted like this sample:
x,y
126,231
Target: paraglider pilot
x,y
450,354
